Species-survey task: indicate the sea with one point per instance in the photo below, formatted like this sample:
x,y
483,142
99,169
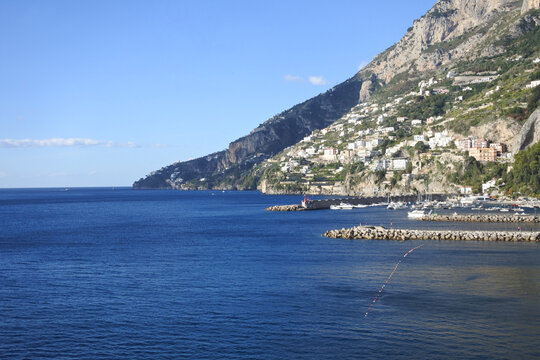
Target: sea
x,y
116,273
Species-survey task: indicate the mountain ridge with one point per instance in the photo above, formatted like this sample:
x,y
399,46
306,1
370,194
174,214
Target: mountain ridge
x,y
451,31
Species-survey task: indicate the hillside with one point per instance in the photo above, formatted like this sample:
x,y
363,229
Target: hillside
x,y
463,69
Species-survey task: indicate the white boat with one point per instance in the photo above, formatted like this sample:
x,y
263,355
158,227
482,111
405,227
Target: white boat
x,y
342,206
397,206
416,214
360,206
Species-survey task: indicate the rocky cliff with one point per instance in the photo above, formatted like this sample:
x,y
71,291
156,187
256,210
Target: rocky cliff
x,y
529,134
459,26
452,31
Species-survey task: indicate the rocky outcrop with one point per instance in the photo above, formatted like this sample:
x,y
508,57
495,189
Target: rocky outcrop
x,y
529,5
500,130
460,24
529,134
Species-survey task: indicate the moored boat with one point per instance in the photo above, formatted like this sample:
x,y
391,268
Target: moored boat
x,y
416,214
342,206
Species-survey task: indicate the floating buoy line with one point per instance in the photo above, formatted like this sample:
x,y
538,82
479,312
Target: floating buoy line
x,y
388,280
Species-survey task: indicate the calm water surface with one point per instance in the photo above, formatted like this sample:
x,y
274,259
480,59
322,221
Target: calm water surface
x,y
117,274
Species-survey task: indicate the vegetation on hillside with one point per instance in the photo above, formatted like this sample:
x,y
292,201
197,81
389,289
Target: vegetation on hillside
x,y
474,173
524,177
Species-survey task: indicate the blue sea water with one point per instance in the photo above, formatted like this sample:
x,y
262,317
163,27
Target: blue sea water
x,y
123,274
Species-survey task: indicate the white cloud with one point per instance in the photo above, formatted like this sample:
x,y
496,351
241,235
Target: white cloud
x,y
294,78
160,145
313,80
317,80
61,142
362,65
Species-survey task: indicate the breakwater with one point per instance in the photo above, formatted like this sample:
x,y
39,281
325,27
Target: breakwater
x,y
295,207
381,233
483,218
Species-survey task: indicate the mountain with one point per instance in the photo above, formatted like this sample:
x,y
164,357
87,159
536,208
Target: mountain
x,y
224,169
455,42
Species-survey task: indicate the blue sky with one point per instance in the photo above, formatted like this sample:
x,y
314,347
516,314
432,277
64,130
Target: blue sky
x,y
100,93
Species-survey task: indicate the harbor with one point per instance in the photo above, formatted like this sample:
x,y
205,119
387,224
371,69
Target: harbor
x,y
432,207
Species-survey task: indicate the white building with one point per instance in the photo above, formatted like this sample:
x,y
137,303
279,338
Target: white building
x,y
533,84
488,185
419,138
330,154
378,165
398,164
364,153
440,139
370,145
416,122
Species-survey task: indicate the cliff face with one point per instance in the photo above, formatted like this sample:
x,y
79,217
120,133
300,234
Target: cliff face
x,y
452,30
529,5
448,20
529,134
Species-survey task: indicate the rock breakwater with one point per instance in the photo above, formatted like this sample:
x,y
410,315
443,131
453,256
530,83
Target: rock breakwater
x,y
295,207
483,218
381,233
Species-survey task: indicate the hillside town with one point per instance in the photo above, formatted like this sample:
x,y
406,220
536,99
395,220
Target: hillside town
x,y
393,151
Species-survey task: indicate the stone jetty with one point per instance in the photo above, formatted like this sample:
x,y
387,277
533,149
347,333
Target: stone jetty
x,y
295,207
382,233
483,218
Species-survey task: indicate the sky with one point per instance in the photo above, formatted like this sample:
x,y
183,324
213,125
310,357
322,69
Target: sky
x,y
101,93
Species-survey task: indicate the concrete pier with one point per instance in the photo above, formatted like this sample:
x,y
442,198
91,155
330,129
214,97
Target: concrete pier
x,y
381,233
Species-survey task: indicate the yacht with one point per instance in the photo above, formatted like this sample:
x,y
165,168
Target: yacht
x,y
342,206
397,206
416,214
